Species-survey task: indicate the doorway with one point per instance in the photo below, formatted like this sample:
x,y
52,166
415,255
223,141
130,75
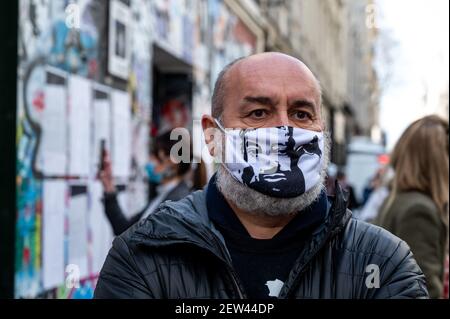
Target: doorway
x,y
172,93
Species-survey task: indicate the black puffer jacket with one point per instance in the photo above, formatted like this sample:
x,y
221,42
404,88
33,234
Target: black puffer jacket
x,y
178,253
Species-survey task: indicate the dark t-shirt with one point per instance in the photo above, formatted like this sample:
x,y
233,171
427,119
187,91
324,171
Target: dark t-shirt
x,y
263,265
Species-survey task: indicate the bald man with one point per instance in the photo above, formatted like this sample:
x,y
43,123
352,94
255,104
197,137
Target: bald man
x,y
264,226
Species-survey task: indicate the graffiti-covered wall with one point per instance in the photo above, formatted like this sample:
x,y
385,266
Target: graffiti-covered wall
x,y
67,103
71,97
204,33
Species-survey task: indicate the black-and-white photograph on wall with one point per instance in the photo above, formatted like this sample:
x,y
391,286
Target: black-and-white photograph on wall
x,y
119,38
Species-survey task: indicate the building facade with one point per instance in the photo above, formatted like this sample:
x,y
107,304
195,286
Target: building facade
x,y
362,89
336,40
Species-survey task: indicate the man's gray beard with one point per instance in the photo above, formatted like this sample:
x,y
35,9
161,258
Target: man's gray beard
x,y
256,203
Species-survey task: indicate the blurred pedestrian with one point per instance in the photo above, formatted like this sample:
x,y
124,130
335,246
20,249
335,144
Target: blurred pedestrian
x,y
417,207
197,178
166,182
374,183
446,278
348,188
379,192
330,179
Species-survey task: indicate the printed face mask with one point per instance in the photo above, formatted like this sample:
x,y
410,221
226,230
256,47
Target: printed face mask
x,y
281,162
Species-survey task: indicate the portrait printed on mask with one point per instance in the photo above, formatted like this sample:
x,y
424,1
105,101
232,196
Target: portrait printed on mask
x,y
279,161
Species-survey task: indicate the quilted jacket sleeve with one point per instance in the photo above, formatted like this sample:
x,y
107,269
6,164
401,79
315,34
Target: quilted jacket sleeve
x,y
120,278
401,277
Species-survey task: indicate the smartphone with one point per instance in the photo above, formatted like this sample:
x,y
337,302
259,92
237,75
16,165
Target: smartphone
x,y
102,154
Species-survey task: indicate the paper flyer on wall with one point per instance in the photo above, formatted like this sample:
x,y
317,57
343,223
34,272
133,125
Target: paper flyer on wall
x,y
78,230
101,230
53,219
52,152
79,93
121,137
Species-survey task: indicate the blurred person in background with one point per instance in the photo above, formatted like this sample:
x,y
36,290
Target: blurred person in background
x,y
446,278
378,193
417,207
342,180
374,183
330,179
167,181
197,177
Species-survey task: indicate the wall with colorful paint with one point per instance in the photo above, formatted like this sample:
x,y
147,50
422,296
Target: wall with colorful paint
x,y
205,34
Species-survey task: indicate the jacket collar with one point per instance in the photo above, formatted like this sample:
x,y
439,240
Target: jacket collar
x,y
335,222
187,222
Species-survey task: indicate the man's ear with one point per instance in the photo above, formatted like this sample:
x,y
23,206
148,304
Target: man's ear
x,y
210,131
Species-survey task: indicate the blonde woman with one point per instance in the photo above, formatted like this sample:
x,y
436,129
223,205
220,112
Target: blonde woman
x,y
417,208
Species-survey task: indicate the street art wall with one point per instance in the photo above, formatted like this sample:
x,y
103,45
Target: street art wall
x,y
68,102
205,34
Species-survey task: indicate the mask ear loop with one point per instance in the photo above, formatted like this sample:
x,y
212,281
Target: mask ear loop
x,y
224,130
241,135
221,128
220,125
223,163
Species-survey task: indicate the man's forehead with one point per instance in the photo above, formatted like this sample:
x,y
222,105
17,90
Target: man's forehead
x,y
271,61
270,66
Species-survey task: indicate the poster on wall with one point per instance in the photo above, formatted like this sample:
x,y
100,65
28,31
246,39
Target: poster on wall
x,y
78,229
101,233
53,212
119,47
101,124
121,134
79,92
52,151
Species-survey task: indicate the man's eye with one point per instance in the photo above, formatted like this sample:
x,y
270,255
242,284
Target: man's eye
x,y
258,113
302,115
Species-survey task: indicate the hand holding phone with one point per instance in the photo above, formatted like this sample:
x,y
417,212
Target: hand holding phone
x,y
105,171
103,154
